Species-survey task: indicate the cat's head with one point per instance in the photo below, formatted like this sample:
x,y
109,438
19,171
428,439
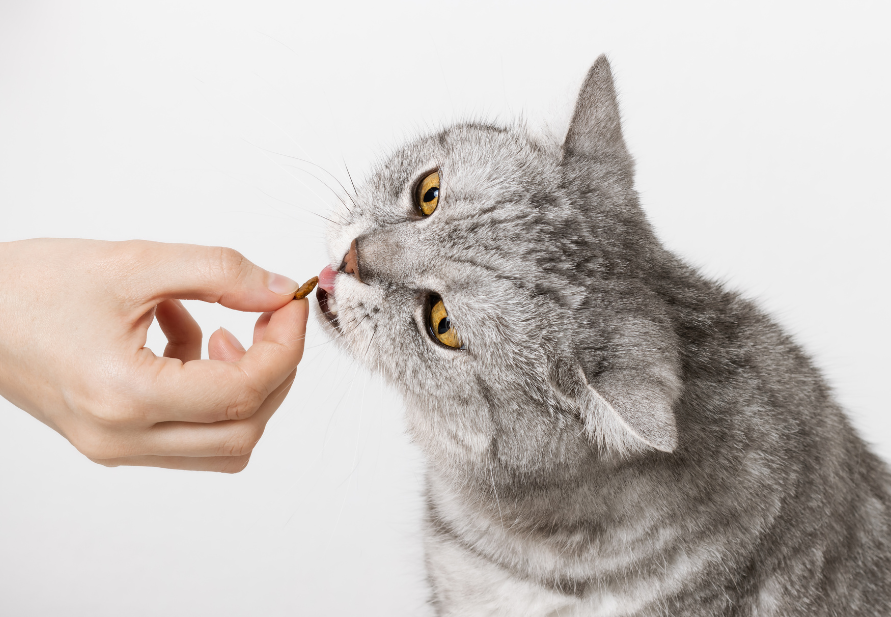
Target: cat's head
x,y
503,284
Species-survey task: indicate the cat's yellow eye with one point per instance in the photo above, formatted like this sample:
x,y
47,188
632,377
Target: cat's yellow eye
x,y
441,326
427,194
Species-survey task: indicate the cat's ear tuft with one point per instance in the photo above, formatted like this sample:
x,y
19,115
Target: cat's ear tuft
x,y
596,128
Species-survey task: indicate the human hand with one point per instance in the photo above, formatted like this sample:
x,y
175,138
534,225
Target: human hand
x,y
74,316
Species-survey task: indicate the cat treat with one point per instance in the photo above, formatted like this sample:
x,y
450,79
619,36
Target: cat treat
x,y
307,287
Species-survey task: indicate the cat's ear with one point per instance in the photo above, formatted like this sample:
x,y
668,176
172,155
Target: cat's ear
x,y
625,412
596,127
626,415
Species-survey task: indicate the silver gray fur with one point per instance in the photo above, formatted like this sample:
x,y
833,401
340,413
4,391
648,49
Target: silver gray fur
x,y
620,436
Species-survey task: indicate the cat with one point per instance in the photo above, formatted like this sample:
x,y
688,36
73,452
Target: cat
x,y
606,431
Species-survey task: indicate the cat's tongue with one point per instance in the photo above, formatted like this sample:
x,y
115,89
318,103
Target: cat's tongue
x,y
326,279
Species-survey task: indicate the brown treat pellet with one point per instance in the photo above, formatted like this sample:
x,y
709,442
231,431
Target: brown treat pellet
x,y
307,287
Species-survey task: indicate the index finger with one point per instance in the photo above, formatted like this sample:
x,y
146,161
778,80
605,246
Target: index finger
x,y
212,390
212,274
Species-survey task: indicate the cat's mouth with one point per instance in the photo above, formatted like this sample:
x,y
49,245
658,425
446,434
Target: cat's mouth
x,y
325,296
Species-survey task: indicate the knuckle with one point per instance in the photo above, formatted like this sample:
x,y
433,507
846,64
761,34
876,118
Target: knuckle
x,y
130,255
124,262
128,251
113,410
230,264
245,403
107,414
108,406
133,247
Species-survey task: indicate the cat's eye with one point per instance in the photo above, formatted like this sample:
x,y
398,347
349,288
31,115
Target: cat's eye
x,y
427,194
440,324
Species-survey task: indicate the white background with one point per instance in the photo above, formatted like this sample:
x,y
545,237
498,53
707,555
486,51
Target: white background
x,y
761,134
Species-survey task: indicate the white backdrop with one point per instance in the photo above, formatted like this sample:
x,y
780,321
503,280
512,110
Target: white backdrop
x,y
762,140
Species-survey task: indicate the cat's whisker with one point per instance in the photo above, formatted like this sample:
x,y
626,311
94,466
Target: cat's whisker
x,y
333,337
336,407
322,182
357,324
235,134
335,178
280,166
370,341
343,332
295,206
350,176
325,441
327,219
308,162
257,188
355,464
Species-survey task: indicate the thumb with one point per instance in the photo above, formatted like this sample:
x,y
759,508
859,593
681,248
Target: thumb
x,y
211,274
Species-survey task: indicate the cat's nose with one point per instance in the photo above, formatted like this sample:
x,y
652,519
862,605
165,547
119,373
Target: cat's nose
x,y
350,263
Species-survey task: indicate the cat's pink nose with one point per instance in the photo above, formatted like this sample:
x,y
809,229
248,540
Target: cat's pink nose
x,y
350,264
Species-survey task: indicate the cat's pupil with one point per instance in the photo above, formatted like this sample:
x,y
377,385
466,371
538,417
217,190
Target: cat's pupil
x,y
444,326
431,194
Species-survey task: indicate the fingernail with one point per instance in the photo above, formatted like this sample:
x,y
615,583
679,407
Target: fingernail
x,y
282,285
232,340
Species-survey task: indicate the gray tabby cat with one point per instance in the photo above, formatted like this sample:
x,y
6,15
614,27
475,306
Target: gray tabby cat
x,y
607,432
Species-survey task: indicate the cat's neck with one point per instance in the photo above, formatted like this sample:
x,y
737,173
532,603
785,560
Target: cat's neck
x,y
605,518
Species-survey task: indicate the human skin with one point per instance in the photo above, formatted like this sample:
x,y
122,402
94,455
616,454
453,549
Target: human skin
x,y
74,316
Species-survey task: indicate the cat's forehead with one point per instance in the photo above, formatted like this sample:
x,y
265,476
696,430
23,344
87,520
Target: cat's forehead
x,y
471,158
